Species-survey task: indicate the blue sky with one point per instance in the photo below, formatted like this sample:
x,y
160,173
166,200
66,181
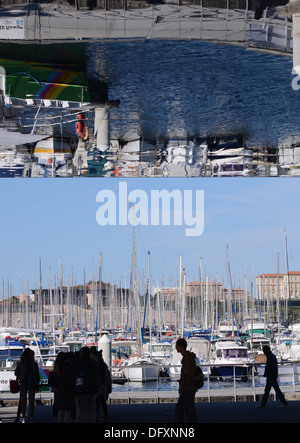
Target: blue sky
x,y
55,219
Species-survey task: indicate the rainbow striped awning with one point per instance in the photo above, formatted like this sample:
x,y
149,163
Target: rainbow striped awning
x,y
33,81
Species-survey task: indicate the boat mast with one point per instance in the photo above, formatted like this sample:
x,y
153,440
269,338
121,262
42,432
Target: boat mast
x,y
158,303
278,302
200,294
135,289
181,299
149,301
288,299
40,295
99,299
232,298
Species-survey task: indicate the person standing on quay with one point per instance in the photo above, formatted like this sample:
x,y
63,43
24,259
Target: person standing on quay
x,y
86,387
271,373
27,374
187,389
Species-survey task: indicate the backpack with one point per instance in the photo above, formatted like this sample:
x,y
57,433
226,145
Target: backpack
x,y
82,380
32,376
198,380
108,381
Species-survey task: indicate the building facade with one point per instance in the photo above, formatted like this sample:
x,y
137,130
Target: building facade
x,y
279,286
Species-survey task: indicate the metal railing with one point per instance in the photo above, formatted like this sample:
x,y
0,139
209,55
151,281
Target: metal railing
x,y
165,389
200,20
234,388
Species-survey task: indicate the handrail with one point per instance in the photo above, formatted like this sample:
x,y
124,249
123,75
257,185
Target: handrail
x,y
208,391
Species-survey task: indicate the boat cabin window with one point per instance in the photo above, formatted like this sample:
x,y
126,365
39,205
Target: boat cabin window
x,y
234,353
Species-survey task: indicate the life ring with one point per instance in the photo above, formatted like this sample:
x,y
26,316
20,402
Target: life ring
x,y
79,127
116,171
85,133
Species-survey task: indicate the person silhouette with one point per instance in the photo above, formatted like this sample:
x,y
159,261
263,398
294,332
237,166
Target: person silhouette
x,y
187,390
271,374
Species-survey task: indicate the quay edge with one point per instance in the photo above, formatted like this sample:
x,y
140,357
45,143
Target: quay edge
x,y
172,398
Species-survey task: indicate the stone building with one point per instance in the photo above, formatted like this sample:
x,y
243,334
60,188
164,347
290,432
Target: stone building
x,y
282,286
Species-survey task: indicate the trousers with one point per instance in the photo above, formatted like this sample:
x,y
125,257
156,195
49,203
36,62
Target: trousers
x,y
86,408
272,382
186,407
23,401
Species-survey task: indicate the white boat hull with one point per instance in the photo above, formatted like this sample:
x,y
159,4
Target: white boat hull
x,y
142,372
287,373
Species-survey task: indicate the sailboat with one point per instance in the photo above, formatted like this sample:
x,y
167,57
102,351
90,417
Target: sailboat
x,y
140,367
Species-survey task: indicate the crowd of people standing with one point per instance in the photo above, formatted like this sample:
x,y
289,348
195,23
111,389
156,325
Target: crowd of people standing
x,y
81,383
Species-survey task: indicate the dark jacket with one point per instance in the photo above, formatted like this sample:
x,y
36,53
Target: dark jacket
x,y
86,376
28,375
104,378
271,369
188,372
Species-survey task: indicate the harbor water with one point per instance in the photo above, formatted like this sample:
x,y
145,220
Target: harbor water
x,y
175,106
185,89
193,88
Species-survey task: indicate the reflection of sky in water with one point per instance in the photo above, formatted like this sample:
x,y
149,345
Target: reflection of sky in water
x,y
189,88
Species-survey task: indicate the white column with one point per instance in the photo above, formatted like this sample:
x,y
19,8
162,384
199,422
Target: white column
x,y
105,344
101,129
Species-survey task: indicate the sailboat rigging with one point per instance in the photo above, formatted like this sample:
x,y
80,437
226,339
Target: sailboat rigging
x,y
140,367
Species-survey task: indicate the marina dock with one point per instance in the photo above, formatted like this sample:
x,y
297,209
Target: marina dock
x,y
220,22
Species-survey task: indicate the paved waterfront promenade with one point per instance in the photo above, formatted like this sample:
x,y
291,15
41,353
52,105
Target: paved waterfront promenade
x,y
150,414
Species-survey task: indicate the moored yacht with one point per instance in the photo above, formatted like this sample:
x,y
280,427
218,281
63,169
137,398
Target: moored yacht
x,y
142,368
230,359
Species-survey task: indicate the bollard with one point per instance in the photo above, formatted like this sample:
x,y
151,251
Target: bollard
x,y
101,129
105,344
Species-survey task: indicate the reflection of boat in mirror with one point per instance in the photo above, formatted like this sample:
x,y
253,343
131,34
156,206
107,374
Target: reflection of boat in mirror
x,y
59,126
289,157
229,157
231,170
53,156
24,84
56,105
14,161
70,153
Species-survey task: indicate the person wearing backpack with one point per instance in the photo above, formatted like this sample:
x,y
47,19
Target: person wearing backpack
x,y
187,389
105,386
86,387
27,374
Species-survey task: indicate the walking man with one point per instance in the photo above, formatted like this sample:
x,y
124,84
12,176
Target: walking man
x,y
271,373
187,390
